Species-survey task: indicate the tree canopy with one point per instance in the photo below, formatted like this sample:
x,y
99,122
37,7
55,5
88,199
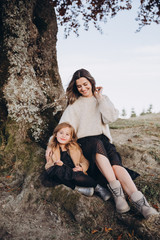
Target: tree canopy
x,y
96,11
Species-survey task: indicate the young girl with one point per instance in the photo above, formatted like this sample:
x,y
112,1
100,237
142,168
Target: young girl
x,y
67,165
90,112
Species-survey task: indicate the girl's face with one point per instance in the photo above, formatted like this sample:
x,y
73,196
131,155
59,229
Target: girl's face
x,y
84,87
64,135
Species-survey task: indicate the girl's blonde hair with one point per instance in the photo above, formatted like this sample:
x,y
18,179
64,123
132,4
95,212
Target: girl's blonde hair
x,y
54,143
72,92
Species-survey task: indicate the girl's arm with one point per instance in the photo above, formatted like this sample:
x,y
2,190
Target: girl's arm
x,y
84,163
59,163
80,162
50,160
77,169
48,153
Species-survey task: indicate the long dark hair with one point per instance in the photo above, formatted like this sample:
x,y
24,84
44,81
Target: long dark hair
x,y
71,91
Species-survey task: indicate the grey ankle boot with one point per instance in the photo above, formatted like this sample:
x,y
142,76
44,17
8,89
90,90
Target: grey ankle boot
x,y
102,192
87,191
140,203
119,198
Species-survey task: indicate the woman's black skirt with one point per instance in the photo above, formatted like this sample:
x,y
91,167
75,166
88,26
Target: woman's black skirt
x,y
101,144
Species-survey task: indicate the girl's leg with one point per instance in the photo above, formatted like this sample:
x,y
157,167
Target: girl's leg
x,y
83,183
81,179
62,175
126,181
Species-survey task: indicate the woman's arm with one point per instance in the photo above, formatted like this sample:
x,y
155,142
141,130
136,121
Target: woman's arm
x,y
106,107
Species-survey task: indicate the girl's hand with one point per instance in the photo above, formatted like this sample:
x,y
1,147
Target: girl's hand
x,y
48,153
77,169
59,163
98,92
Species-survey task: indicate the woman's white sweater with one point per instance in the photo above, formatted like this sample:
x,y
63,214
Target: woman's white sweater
x,y
90,116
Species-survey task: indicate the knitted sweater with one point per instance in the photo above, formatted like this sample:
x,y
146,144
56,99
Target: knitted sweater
x,y
90,116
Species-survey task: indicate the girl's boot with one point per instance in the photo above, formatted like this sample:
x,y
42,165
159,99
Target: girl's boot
x,y
87,191
140,203
102,192
118,195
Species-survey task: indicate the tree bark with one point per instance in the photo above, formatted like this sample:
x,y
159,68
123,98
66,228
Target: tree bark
x,y
31,91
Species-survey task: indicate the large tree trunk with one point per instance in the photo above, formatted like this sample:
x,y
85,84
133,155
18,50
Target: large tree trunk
x,y
31,100
30,83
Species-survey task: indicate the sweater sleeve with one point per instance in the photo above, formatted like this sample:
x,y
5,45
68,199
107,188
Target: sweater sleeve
x,y
107,109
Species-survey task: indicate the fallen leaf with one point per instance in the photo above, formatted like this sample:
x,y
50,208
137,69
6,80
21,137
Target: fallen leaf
x,y
155,206
94,231
119,237
107,229
8,176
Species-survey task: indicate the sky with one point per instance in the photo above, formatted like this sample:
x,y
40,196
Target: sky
x,y
125,63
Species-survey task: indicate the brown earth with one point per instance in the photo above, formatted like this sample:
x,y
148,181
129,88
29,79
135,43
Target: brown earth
x,y
31,210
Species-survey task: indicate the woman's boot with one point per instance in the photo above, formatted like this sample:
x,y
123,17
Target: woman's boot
x,y
140,203
87,191
102,192
119,198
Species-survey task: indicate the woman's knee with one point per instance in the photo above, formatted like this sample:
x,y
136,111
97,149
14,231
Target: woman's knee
x,y
101,157
117,168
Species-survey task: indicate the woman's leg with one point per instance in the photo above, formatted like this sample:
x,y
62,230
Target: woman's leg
x,y
114,185
105,167
126,181
137,198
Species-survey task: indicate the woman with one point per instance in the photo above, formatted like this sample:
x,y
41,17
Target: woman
x,y
89,112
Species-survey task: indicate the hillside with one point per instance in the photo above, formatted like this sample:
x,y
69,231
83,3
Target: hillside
x,y
31,209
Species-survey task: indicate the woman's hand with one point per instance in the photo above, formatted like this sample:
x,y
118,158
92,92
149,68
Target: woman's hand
x,y
98,92
59,163
77,169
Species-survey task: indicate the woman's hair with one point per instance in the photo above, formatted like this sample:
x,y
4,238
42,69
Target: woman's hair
x,y
53,142
72,91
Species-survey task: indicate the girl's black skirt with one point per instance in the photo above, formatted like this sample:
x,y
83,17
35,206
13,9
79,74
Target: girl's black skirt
x,y
101,144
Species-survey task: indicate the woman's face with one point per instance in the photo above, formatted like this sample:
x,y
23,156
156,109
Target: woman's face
x,y
84,87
